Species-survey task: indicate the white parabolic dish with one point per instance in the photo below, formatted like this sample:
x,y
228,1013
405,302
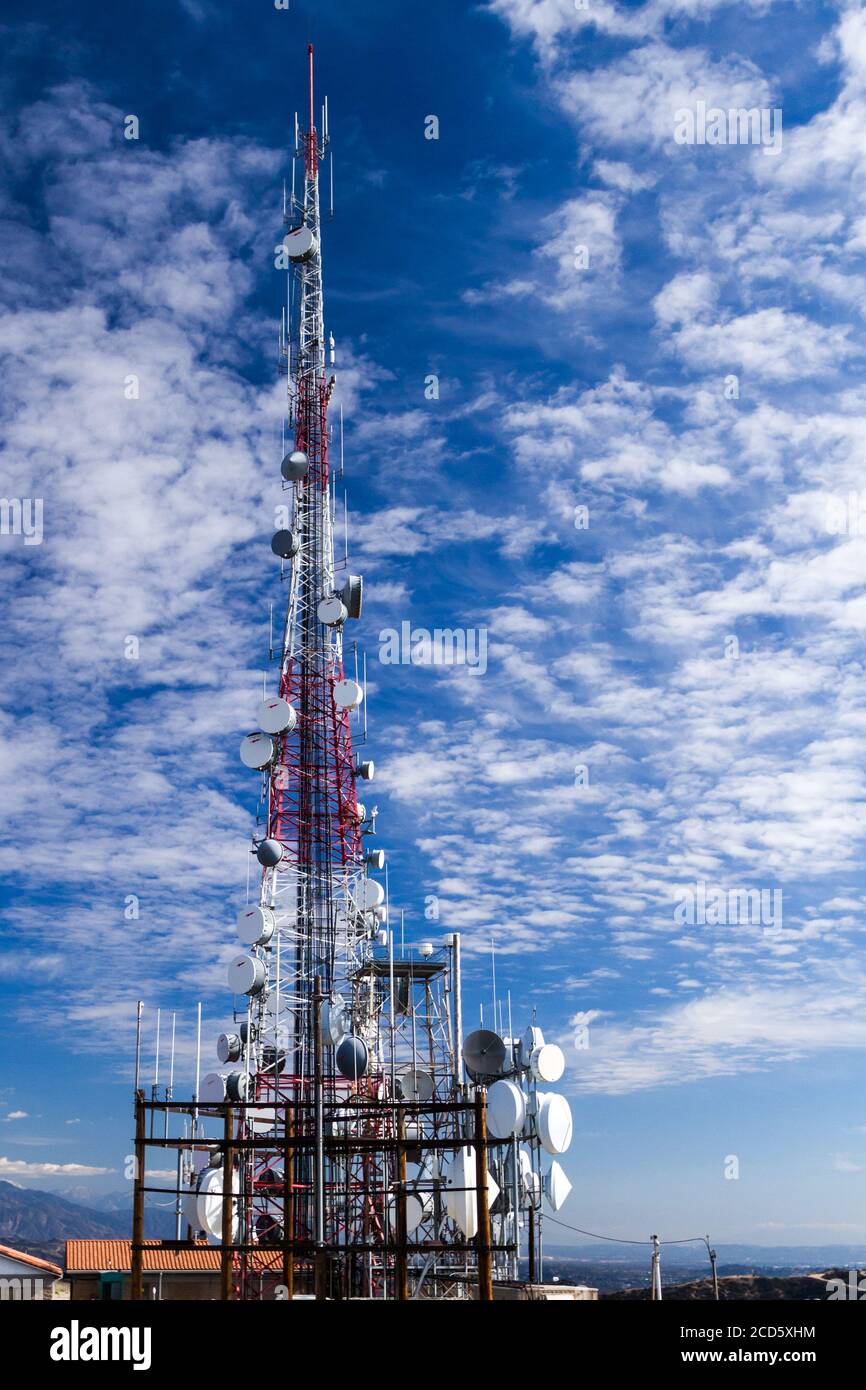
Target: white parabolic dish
x,y
276,715
506,1109
553,1121
532,1039
331,611
372,894
246,975
209,1203
415,1210
460,1200
213,1088
347,694
255,925
556,1187
257,750
300,244
547,1062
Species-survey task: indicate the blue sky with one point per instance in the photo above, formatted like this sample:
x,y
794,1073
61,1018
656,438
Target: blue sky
x,y
694,379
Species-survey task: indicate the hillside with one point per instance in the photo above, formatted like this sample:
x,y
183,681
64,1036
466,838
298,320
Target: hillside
x,y
741,1287
39,1223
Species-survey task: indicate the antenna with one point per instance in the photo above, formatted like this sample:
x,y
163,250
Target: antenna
x,y
138,1013
332,184
313,926
312,122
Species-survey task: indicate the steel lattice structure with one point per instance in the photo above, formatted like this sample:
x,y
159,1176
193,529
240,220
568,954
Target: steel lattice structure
x,y
351,1154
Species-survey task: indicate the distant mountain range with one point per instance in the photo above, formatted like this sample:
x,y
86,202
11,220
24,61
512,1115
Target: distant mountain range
x,y
33,1220
745,1256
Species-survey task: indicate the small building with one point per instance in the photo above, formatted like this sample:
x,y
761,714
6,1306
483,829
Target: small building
x,y
24,1276
102,1269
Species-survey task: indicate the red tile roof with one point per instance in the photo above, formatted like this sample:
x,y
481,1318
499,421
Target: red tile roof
x,y
104,1256
31,1260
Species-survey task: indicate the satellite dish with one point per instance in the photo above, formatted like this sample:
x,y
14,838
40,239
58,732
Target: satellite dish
x,y
295,466
415,1085
371,895
269,853
547,1062
375,858
352,1057
261,1119
418,1205
247,975
506,1109
532,1039
347,694
276,716
209,1204
460,1199
273,1059
301,244
553,1122
556,1187
334,1020
285,544
257,750
366,770
255,925
268,1229
213,1088
229,1047
238,1087
352,594
530,1180
332,612
484,1053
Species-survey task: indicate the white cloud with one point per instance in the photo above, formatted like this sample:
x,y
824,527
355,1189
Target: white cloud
x,y
20,1167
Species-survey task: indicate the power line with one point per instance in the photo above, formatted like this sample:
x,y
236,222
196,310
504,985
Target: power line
x,y
618,1240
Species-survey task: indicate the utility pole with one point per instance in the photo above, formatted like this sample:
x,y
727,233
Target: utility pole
x,y
656,1270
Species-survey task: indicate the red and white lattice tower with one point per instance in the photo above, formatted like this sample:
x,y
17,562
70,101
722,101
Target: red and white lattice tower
x,y
333,1023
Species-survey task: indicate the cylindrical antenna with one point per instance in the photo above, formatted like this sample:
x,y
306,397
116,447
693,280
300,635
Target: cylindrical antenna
x,y
312,127
365,695
293,168
326,119
138,1014
171,1056
346,523
332,183
271,634
341,439
198,1053
284,193
170,1089
156,1057
458,1009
